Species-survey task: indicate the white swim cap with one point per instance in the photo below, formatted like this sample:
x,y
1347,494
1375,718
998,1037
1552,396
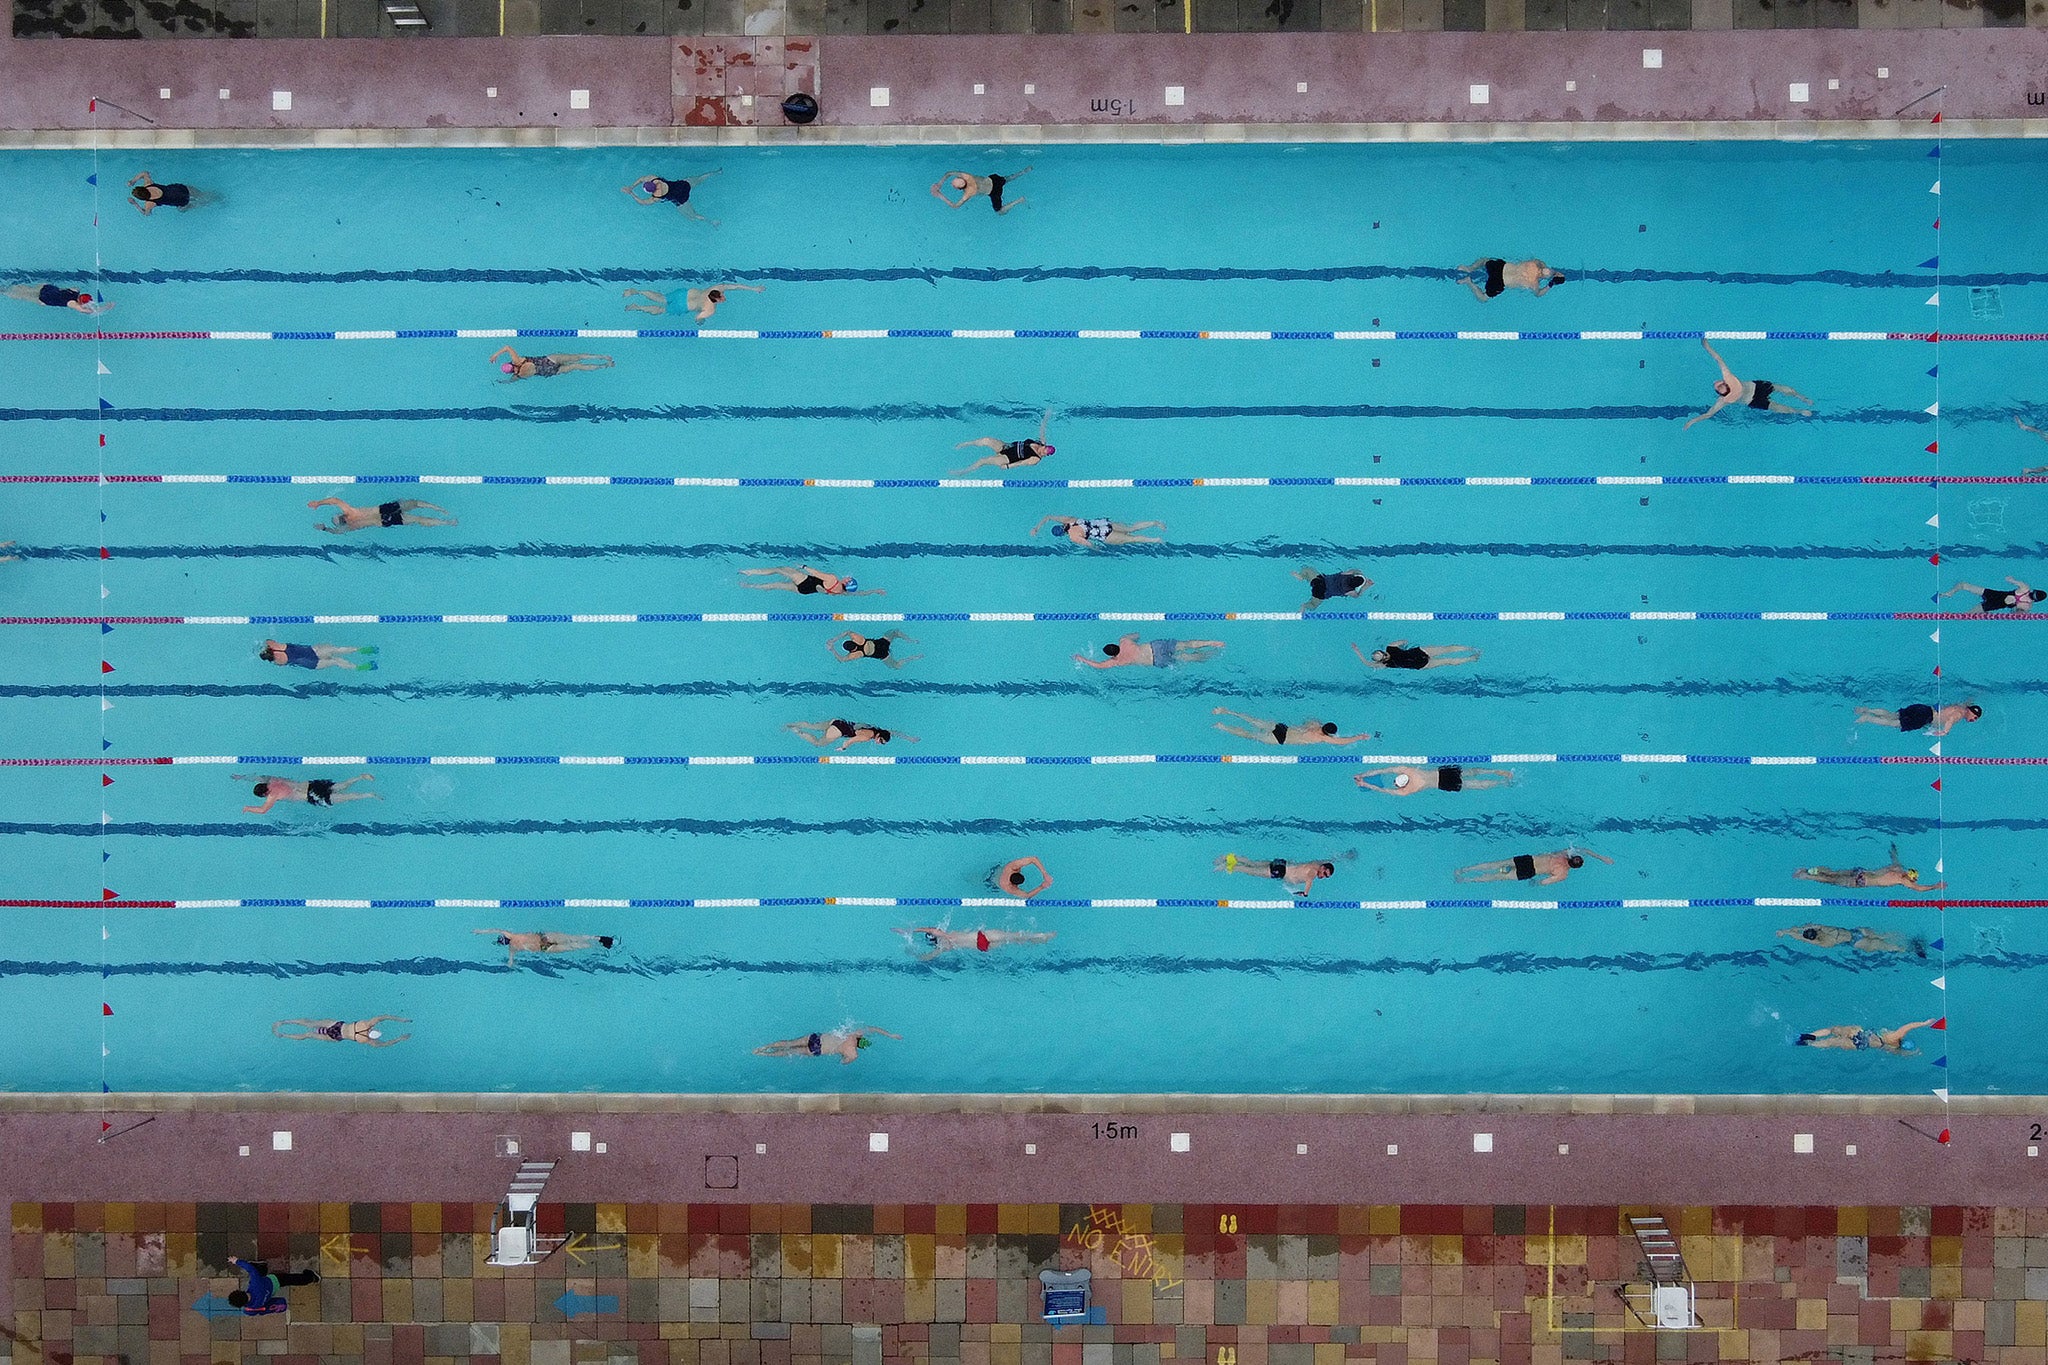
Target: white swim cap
x,y
376,1033
1400,780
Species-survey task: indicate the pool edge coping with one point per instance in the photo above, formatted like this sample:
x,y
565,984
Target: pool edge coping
x,y
1016,134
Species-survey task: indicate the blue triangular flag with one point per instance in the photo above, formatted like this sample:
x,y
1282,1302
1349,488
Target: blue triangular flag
x,y
105,406
93,179
103,518
106,743
1936,945
105,856
1931,263
1933,371
106,1089
106,629
1935,150
1941,1061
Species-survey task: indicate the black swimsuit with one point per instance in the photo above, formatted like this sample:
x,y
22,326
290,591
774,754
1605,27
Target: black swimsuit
x,y
1525,867
1761,399
1450,779
320,792
1406,656
995,191
1997,600
50,296
809,584
1016,452
1496,280
390,514
174,196
1324,586
1279,734
876,649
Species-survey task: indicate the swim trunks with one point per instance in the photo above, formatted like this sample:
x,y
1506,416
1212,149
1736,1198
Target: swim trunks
x,y
1406,656
1450,779
1761,399
1327,585
981,940
995,191
1277,869
1496,278
301,656
1525,867
1279,734
1163,653
320,792
390,514
1915,717
811,1043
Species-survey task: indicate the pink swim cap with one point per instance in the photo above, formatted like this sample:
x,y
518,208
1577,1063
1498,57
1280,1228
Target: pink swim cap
x,y
1050,449
508,367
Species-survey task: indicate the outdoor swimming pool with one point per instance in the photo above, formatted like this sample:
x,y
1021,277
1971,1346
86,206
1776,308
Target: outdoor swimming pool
x,y
1348,248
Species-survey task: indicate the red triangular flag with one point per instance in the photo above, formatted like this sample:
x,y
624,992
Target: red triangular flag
x,y
103,440
1941,1023
106,667
1937,225
106,781
104,1125
106,1009
104,554
1931,336
1943,1139
1937,784
1935,119
109,895
1934,558
1937,670
1934,447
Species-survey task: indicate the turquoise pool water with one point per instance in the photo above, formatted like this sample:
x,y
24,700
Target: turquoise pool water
x,y
1608,996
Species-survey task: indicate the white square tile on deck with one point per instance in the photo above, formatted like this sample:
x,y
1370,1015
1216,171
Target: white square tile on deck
x,y
1802,1143
245,1149
1030,89
1178,1142
280,100
760,1149
1834,84
164,93
579,99
878,97
878,1142
1301,87
1653,59
579,1142
1564,1149
223,93
1482,1142
490,92
1301,1149
1884,73
281,1140
1482,94
980,88
1176,95
1393,1149
1570,86
1849,1149
1031,1149
1800,93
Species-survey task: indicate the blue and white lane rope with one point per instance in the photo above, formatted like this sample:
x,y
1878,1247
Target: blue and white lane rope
x,y
970,903
1936,758
884,617
1198,481
982,334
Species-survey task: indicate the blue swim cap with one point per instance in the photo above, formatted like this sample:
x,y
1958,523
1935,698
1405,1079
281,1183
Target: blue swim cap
x,y
850,584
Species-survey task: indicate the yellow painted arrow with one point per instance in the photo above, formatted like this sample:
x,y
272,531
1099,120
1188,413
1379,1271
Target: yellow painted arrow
x,y
576,1246
340,1248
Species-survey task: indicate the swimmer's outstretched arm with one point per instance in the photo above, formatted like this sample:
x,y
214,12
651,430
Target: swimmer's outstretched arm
x,y
633,191
940,194
1045,419
1581,848
1043,520
2036,430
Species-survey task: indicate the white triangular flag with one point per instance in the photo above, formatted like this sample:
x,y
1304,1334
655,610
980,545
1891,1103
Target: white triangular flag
x,y
1935,747
1935,521
105,1053
1934,299
1933,409
1937,864
103,366
106,705
106,819
1941,1093
103,592
103,933
1936,637
1939,983
1935,188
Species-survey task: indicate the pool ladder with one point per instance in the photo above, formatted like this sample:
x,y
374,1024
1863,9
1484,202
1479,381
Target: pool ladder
x,y
1669,1294
405,14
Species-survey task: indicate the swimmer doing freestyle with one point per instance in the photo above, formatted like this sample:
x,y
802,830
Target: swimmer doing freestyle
x,y
939,941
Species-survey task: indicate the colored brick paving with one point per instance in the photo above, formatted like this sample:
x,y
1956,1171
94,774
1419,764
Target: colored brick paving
x,y
770,1284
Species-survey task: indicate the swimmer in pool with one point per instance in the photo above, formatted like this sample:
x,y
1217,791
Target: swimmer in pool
x,y
1754,393
2021,424
1499,276
1894,873
1856,1038
318,792
1298,877
1401,654
1551,867
54,296
1325,587
1862,940
851,645
1920,716
1130,652
364,1031
653,189
546,366
148,196
2021,598
516,943
1409,780
937,942
845,1045
1010,454
8,559
1009,878
800,578
1310,731
1093,533
969,185
846,733
316,656
702,302
399,513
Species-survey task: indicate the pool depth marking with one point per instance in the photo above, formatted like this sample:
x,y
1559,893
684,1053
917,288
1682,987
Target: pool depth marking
x,y
993,760
980,617
1006,903
993,334
1206,481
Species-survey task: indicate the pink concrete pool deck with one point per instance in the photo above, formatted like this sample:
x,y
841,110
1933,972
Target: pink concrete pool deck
x,y
580,90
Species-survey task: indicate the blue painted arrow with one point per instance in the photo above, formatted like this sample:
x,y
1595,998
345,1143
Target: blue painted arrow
x,y
594,1305
211,1307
